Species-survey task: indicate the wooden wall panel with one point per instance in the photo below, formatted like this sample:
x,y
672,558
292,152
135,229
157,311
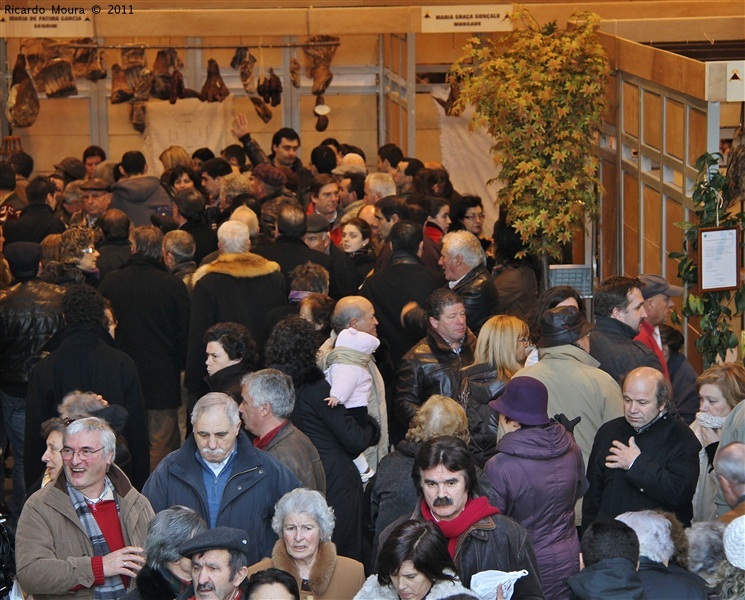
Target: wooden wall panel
x,y
674,213
611,101
652,120
697,135
609,221
630,225
350,121
674,120
631,109
652,231
439,48
52,137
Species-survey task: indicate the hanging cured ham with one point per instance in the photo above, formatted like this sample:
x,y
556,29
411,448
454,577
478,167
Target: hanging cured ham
x,y
318,61
120,90
86,62
214,88
22,107
244,62
165,63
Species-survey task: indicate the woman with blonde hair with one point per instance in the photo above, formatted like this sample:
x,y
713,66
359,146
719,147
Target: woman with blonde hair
x,y
175,156
720,389
394,495
501,349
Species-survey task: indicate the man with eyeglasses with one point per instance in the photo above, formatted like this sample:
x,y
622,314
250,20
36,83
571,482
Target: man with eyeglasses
x,y
96,198
576,386
82,536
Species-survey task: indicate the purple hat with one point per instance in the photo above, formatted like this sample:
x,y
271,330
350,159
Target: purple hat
x,y
524,400
270,175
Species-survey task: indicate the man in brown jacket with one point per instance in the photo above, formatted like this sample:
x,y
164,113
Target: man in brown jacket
x,y
81,536
268,400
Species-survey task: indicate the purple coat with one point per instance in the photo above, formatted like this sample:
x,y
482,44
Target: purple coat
x,y
538,475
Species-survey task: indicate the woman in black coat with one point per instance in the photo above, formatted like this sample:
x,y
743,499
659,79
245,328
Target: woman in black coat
x,y
231,354
357,242
334,432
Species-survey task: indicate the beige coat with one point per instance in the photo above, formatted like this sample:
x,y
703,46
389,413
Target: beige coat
x,y
332,577
53,552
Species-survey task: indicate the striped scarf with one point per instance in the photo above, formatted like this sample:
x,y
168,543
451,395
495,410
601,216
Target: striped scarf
x,y
113,587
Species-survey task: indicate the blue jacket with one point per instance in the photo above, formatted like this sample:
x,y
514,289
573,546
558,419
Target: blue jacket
x,y
257,482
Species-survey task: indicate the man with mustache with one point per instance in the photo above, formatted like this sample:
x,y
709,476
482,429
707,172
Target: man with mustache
x,y
219,558
479,538
221,475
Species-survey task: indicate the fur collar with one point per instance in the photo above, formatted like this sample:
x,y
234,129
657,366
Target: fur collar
x,y
441,589
321,572
246,265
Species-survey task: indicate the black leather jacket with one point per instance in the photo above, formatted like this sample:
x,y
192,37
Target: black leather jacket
x,y
30,314
430,367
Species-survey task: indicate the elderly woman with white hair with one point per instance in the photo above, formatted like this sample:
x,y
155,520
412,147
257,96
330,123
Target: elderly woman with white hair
x,y
304,523
661,580
731,572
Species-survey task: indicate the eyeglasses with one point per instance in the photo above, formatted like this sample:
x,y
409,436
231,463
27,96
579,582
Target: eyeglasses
x,y
475,217
90,250
83,453
525,341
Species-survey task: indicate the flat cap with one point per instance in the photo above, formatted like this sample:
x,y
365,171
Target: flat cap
x,y
317,223
270,175
72,167
219,538
95,185
655,284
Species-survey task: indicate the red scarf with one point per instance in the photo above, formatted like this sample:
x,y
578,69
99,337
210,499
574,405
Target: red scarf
x,y
474,511
263,442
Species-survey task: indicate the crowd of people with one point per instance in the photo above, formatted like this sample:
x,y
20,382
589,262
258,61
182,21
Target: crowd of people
x,y
251,378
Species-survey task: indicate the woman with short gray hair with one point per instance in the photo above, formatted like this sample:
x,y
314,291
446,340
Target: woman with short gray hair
x,y
304,523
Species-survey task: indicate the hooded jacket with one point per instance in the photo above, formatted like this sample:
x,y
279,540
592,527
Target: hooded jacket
x,y
140,197
610,579
538,475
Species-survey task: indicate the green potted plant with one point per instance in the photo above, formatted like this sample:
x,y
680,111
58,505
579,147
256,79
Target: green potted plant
x,y
539,92
713,199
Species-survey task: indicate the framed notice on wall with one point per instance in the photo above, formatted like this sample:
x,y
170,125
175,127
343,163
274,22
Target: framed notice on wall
x,y
719,259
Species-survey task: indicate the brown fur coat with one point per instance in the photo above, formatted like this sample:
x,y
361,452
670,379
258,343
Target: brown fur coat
x,y
332,577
